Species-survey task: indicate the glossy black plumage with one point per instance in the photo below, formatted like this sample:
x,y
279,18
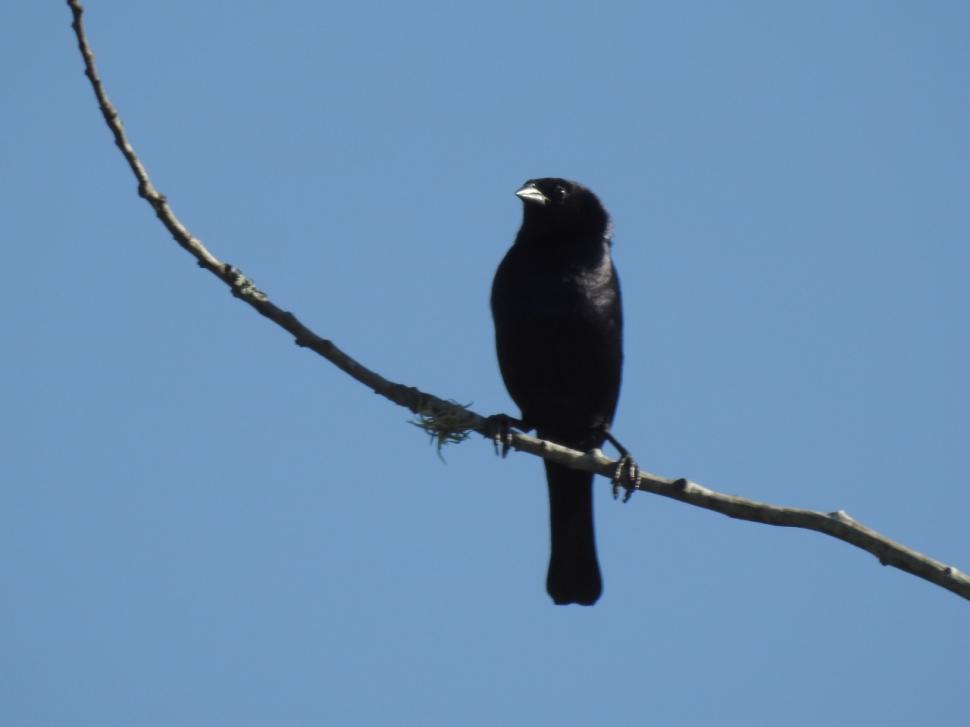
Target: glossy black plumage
x,y
558,332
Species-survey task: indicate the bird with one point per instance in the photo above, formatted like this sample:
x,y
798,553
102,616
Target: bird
x,y
558,318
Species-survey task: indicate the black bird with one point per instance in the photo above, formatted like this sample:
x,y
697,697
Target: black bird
x,y
559,337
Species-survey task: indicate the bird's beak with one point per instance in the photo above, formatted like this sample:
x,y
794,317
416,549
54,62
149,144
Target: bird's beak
x,y
531,193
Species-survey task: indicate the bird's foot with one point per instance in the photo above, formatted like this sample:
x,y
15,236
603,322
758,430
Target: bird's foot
x,y
500,432
627,472
626,475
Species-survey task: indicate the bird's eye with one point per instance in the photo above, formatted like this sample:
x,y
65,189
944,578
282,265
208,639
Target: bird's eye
x,y
561,191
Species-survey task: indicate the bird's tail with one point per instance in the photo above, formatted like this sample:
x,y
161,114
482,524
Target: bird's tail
x,y
574,573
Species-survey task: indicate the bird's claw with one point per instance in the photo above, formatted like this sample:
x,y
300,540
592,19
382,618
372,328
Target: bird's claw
x,y
626,475
500,432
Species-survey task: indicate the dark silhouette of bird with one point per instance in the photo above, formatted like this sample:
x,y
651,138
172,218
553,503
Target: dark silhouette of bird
x,y
559,338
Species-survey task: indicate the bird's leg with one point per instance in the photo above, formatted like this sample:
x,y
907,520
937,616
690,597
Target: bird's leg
x,y
500,431
627,472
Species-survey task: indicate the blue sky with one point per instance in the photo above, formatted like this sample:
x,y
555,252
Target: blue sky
x,y
204,524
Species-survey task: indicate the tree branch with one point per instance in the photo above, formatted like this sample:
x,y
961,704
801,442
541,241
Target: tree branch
x,y
447,419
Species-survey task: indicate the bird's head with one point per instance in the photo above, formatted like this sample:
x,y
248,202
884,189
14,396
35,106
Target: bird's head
x,y
564,206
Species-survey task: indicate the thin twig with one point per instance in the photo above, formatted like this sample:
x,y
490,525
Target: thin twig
x,y
837,524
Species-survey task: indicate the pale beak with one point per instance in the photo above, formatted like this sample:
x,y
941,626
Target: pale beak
x,y
531,193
